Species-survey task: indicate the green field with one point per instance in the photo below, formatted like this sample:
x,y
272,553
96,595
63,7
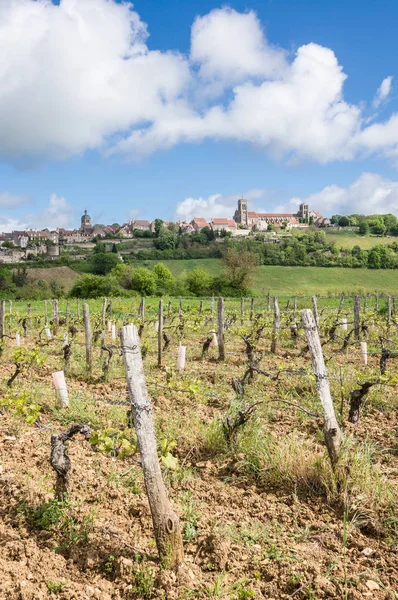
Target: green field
x,y
348,239
301,280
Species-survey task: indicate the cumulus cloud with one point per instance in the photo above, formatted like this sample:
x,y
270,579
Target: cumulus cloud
x,y
383,91
8,200
216,205
85,78
369,194
58,213
9,225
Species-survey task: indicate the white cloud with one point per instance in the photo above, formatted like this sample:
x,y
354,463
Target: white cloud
x,y
231,46
9,225
8,200
58,213
383,91
79,75
216,205
369,194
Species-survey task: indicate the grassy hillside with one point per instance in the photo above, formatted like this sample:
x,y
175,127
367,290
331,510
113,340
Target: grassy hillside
x,y
300,280
348,239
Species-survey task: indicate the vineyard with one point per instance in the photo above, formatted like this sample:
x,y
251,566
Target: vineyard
x,y
199,448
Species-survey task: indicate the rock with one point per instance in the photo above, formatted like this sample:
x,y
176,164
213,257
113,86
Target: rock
x,y
368,551
124,567
372,585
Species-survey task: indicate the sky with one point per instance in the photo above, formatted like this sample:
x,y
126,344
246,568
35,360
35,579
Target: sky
x,y
176,109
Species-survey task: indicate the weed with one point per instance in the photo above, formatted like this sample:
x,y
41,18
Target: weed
x,y
55,587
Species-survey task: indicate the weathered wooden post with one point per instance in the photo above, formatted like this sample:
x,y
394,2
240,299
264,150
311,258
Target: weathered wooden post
x,y
2,318
55,313
165,522
251,309
357,316
67,313
88,336
268,302
315,307
331,429
169,309
141,310
276,325
160,332
388,306
29,308
220,332
201,307
104,303
180,309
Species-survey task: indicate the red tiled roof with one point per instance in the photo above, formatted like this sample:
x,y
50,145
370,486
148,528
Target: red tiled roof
x,y
200,221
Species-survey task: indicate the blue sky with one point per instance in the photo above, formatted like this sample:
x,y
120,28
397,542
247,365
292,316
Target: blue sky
x,y
174,109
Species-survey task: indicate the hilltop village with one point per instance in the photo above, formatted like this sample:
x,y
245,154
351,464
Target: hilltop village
x,y
15,246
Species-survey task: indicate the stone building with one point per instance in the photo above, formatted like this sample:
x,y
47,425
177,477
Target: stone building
x,y
260,221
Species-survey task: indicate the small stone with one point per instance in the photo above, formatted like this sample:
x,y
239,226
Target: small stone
x,y
372,585
368,551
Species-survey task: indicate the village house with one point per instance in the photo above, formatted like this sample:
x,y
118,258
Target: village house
x,y
222,224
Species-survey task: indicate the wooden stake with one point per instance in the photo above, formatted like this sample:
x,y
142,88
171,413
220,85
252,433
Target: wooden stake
x,y
2,318
315,307
165,522
251,309
331,429
276,325
220,332
88,335
160,332
67,313
104,303
55,313
357,316
268,301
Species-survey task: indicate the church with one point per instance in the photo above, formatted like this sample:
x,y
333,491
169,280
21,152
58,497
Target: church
x,y
260,221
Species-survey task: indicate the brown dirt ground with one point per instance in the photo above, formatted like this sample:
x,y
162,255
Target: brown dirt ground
x,y
252,541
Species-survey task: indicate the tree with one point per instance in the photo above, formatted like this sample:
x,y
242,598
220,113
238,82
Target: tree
x,y
335,219
164,279
158,227
199,282
209,233
94,286
143,281
103,263
364,228
344,221
239,266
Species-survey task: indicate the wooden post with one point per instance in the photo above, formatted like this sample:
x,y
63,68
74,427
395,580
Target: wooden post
x,y
160,332
55,313
67,313
331,429
242,309
341,302
268,301
169,309
251,309
141,310
377,302
388,305
2,319
220,333
276,325
180,309
315,307
88,335
29,309
201,307
104,303
165,522
357,316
